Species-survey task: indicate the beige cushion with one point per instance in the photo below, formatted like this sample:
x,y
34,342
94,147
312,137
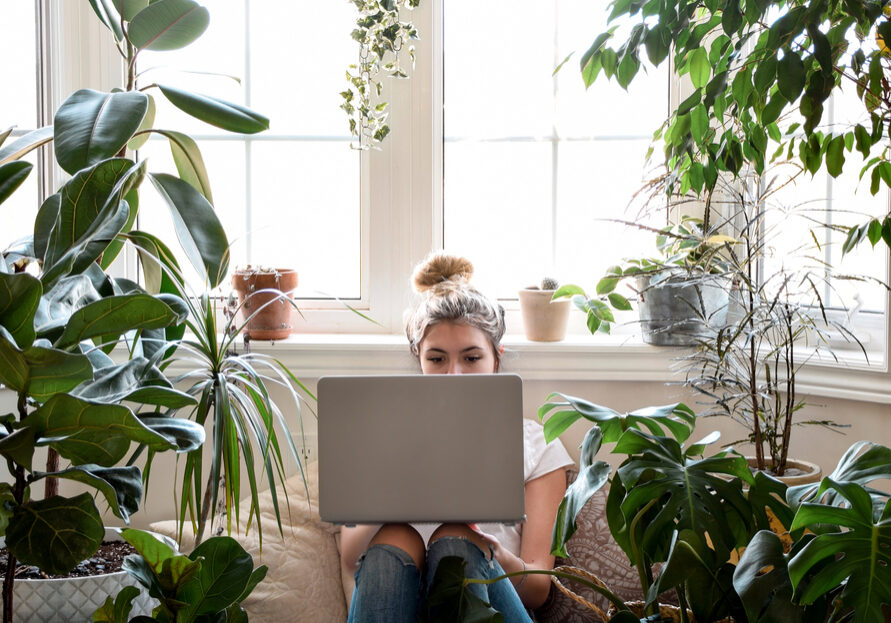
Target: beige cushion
x,y
303,582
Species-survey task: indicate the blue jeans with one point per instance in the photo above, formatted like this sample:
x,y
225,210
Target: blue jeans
x,y
389,587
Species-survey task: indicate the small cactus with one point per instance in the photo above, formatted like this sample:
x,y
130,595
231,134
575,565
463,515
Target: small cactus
x,y
549,283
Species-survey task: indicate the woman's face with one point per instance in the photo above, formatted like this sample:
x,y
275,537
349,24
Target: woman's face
x,y
453,348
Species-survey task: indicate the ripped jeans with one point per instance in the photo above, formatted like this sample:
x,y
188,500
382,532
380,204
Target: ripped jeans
x,y
389,587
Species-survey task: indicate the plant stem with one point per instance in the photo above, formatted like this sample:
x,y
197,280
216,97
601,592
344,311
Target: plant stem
x,y
205,509
790,391
18,494
51,485
753,355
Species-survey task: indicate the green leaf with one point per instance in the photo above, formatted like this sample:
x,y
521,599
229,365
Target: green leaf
x,y
143,132
223,576
83,432
136,380
19,446
19,299
216,112
762,581
860,555
115,315
589,481
765,74
618,301
91,126
731,17
791,75
117,610
129,8
109,16
699,123
121,486
29,142
700,69
12,174
186,435
450,598
168,25
7,506
197,227
568,290
607,285
189,162
835,156
55,534
40,372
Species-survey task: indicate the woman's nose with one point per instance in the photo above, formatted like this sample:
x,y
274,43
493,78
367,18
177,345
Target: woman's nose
x,y
456,367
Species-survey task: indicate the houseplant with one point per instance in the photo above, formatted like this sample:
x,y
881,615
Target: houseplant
x,y
59,323
544,319
208,584
383,37
839,567
747,365
761,74
679,291
257,286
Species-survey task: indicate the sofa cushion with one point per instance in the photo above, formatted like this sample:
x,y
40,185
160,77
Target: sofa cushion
x,y
303,581
592,548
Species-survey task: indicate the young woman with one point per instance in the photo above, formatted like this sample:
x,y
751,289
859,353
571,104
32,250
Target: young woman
x,y
457,330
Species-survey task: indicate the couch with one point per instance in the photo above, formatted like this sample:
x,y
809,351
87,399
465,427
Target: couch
x,y
305,583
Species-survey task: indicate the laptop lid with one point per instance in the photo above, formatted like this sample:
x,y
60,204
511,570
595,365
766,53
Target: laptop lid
x,y
421,448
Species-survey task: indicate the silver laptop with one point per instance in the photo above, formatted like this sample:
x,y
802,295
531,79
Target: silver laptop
x,y
421,448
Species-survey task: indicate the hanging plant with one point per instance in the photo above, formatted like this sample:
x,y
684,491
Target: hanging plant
x,y
384,42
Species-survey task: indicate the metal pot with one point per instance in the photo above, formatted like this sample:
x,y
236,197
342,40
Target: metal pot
x,y
678,309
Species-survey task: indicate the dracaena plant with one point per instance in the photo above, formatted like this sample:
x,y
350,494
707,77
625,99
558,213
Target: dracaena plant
x,y
762,73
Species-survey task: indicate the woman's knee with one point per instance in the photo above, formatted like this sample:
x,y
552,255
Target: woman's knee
x,y
460,530
405,538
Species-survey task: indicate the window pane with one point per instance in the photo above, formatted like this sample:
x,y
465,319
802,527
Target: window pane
x,y
18,109
286,198
534,162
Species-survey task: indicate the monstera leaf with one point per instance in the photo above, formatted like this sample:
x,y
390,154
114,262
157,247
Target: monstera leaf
x,y
676,419
661,488
451,599
859,552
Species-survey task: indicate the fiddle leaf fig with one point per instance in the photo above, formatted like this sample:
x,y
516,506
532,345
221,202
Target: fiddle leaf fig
x,y
19,299
121,486
55,534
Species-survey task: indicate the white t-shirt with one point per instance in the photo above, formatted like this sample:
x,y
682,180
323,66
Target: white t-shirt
x,y
539,458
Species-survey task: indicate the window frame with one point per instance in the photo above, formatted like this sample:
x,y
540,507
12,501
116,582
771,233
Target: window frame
x,y
401,198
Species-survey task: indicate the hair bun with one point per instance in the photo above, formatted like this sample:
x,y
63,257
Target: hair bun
x,y
440,267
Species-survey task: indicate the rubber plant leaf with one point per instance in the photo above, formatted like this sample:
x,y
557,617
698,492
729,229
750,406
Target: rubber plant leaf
x,y
109,16
91,126
12,174
29,142
168,25
129,8
189,162
55,534
197,227
220,113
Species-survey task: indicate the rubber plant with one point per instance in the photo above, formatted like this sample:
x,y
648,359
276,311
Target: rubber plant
x,y
839,566
761,75
208,584
384,39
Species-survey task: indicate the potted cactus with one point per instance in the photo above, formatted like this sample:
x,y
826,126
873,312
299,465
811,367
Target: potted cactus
x,y
544,319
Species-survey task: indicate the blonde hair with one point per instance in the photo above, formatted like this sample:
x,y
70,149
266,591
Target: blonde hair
x,y
443,280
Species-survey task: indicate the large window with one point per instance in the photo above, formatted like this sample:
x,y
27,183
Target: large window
x,y
491,153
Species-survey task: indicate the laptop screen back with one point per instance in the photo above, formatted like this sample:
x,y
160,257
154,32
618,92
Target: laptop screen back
x,y
421,448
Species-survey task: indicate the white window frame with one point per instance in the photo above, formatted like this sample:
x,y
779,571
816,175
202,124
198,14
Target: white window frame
x,y
401,223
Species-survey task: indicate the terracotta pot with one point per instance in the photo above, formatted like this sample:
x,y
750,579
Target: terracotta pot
x,y
261,296
544,320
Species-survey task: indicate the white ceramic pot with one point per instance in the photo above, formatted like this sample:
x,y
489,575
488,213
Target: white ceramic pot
x,y
74,600
544,320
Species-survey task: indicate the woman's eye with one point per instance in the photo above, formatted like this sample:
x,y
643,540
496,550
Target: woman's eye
x,y
473,358
434,359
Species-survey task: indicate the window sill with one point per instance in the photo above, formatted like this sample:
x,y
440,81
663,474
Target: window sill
x,y
578,358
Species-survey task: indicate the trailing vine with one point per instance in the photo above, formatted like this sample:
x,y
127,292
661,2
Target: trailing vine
x,y
384,41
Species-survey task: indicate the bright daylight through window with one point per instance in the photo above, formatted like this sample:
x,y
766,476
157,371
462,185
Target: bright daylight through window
x,y
528,169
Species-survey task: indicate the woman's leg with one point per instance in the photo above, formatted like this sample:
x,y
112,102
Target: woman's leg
x,y
459,540
388,581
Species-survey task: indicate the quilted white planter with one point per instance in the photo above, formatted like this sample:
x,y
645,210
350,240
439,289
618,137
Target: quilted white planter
x,y
73,600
